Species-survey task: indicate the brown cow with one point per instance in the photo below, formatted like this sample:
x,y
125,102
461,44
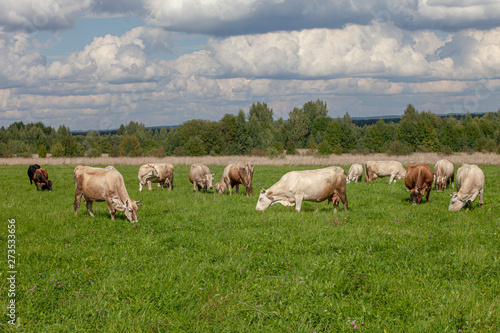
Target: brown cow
x,y
234,175
201,177
41,179
96,184
418,180
444,173
470,184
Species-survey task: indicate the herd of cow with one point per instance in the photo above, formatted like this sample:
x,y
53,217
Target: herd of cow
x,y
107,184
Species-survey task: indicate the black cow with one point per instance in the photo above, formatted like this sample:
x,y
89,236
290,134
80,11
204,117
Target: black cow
x,y
31,172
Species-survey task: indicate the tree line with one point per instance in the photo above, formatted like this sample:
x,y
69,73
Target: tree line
x,y
257,133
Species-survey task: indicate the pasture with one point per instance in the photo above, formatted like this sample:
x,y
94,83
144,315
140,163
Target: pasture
x,y
202,262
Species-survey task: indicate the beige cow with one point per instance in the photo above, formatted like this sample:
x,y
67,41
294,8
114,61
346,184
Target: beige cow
x,y
235,174
309,185
161,173
97,184
201,177
379,169
444,173
355,173
470,184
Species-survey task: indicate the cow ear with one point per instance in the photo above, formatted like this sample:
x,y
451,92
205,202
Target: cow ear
x,y
262,190
269,194
454,194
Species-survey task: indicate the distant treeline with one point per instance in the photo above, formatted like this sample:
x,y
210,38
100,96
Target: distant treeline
x,y
257,133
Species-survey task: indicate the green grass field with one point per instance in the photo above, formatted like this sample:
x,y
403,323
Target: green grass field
x,y
202,262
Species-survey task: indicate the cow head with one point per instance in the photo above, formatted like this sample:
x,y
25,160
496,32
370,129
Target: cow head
x,y
456,203
209,178
220,187
400,175
440,183
265,200
130,208
416,195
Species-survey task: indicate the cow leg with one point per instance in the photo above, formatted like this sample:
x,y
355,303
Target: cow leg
x,y
140,186
298,203
343,198
78,197
237,188
149,185
481,192
112,210
427,194
89,208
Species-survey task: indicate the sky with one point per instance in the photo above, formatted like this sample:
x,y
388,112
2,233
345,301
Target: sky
x,y
97,64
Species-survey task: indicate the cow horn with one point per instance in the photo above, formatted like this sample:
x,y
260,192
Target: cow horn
x,y
407,190
138,202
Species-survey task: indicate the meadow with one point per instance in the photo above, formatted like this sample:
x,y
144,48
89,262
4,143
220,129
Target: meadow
x,y
203,262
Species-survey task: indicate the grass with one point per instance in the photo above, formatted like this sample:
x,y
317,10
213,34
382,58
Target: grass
x,y
202,262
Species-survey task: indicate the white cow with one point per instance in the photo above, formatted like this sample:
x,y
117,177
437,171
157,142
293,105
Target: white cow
x,y
355,173
376,169
470,183
310,185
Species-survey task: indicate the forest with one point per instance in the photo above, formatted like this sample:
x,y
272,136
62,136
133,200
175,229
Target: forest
x,y
257,133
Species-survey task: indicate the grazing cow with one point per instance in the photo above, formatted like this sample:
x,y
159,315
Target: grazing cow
x,y
161,173
375,169
310,185
355,173
31,172
41,179
201,177
234,175
418,180
444,173
96,184
470,184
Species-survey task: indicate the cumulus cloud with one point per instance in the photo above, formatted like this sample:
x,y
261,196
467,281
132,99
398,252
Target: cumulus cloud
x,y
259,16
33,15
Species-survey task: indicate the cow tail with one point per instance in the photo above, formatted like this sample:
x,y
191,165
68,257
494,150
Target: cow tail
x,y
366,173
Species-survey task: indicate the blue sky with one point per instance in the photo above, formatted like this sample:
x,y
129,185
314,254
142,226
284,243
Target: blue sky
x,y
92,64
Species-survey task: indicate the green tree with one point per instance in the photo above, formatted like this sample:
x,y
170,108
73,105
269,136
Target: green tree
x,y
130,146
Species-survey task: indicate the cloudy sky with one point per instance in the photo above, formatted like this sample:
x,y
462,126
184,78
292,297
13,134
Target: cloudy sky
x,y
95,64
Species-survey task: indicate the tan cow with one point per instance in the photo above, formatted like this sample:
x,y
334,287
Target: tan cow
x,y
470,183
97,184
355,173
376,169
161,173
444,173
309,185
201,177
235,174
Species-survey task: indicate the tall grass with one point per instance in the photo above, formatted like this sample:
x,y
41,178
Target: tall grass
x,y
296,160
203,262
